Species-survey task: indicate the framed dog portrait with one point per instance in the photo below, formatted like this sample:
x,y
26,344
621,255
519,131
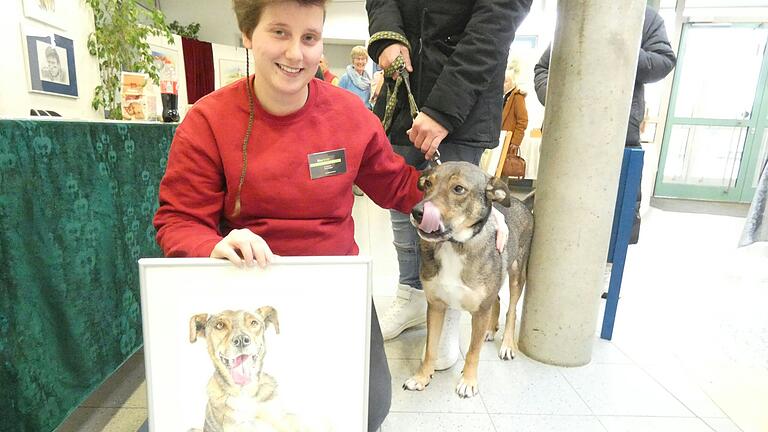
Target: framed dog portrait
x,y
50,60
283,348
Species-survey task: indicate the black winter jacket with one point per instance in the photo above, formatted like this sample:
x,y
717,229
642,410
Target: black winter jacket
x,y
655,62
459,51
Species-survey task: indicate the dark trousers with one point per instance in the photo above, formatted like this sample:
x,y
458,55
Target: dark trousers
x,y
379,378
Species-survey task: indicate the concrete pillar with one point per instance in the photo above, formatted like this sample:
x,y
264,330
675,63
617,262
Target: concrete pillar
x,y
591,77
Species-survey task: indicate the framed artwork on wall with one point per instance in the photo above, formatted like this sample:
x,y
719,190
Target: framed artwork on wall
x,y
281,348
230,70
46,11
50,62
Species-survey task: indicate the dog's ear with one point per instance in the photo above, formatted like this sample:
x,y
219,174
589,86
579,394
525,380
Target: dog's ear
x,y
270,316
423,177
497,190
197,326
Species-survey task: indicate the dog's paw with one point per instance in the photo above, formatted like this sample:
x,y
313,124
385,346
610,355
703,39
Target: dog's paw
x,y
489,335
415,383
467,388
507,353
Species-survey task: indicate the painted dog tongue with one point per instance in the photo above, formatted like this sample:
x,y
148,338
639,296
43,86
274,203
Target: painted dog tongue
x,y
430,222
240,375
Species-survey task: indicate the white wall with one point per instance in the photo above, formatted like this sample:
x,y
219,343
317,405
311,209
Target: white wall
x,y
344,19
15,98
216,18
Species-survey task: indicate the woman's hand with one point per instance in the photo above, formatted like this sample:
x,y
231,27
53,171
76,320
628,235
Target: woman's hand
x,y
242,246
502,230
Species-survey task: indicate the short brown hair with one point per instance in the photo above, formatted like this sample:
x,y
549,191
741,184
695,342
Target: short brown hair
x,y
248,12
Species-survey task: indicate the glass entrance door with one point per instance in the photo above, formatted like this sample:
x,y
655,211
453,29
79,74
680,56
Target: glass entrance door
x,y
715,136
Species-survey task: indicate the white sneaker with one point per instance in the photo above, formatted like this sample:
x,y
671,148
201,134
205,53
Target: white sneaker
x,y
409,309
448,348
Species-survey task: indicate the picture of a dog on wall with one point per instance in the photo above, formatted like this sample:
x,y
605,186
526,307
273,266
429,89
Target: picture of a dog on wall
x,y
241,395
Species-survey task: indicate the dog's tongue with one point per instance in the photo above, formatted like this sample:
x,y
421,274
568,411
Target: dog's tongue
x,y
240,375
430,222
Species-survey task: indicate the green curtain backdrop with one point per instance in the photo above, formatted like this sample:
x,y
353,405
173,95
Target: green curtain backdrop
x,y
76,206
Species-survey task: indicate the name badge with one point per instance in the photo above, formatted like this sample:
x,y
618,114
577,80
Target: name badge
x,y
327,163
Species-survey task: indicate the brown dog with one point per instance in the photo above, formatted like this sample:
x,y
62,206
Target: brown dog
x,y
240,394
460,265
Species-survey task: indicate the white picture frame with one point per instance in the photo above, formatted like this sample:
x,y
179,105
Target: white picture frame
x,y
319,359
49,59
46,11
229,71
228,63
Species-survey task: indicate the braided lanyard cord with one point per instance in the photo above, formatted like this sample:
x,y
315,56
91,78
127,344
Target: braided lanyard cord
x,y
397,66
236,211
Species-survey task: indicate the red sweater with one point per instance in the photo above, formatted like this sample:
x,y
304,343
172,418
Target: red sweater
x,y
293,213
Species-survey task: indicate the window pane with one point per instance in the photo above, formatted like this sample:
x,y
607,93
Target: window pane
x,y
704,155
725,88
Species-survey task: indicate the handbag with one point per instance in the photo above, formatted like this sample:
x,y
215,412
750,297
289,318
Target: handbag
x,y
513,164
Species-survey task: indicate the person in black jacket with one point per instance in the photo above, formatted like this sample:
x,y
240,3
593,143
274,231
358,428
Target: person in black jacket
x,y
456,53
656,61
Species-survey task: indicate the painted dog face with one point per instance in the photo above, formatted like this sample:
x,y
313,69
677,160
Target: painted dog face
x,y
236,342
457,199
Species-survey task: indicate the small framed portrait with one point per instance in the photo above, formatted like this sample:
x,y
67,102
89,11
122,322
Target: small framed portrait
x,y
46,11
230,70
284,348
50,60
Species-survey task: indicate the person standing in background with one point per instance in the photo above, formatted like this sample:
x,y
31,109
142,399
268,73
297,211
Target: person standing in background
x,y
514,118
656,60
356,79
324,72
460,50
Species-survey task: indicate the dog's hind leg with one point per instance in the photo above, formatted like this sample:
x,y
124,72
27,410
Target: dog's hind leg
x,y
508,349
467,386
435,318
493,322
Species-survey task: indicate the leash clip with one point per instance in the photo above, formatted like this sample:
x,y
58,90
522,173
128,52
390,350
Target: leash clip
x,y
436,158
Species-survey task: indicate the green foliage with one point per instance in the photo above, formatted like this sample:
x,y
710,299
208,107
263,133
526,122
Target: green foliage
x,y
188,31
120,44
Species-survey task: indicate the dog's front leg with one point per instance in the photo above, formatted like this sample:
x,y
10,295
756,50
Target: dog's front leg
x,y
467,386
435,318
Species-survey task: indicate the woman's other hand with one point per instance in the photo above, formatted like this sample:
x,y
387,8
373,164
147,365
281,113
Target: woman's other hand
x,y
502,230
243,247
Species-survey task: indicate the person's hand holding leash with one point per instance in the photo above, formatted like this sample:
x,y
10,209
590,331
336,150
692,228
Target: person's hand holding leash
x,y
252,249
426,134
502,230
390,53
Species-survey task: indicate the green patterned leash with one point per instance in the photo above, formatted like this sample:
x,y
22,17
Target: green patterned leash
x,y
398,66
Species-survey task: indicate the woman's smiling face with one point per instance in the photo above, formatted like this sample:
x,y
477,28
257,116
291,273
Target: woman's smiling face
x,y
287,45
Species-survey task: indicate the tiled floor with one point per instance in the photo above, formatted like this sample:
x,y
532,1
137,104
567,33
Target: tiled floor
x,y
689,354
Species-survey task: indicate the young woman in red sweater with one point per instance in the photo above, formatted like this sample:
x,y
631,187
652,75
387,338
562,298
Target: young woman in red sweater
x,y
239,183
